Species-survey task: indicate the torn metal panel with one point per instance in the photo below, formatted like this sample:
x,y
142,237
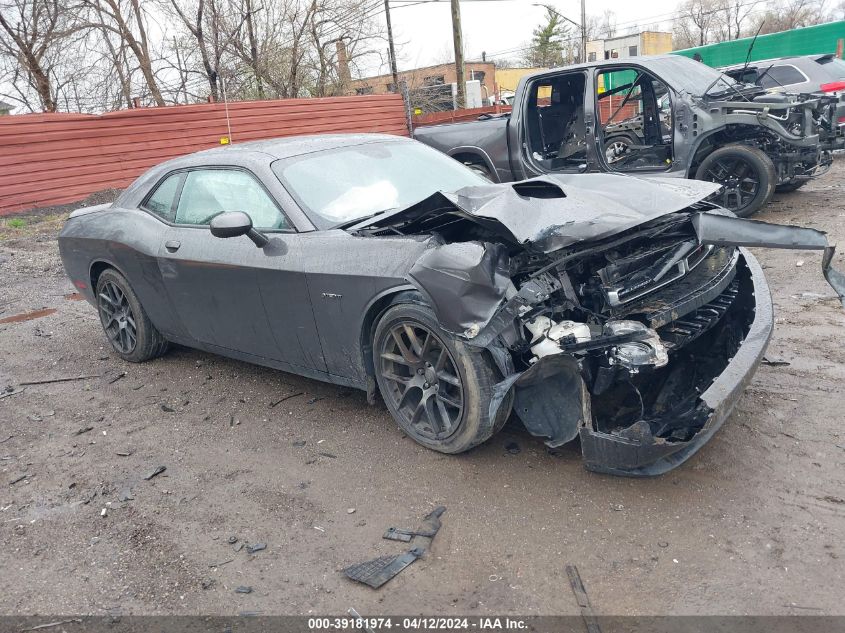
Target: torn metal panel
x,y
474,272
590,207
530,294
721,230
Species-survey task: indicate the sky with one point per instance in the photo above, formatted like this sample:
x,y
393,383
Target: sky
x,y
423,32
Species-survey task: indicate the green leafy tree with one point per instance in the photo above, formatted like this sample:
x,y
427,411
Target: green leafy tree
x,y
549,45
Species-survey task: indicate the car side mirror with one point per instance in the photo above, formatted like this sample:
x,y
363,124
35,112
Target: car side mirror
x,y
234,224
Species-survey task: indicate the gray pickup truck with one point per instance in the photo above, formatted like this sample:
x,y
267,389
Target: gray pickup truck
x,y
664,115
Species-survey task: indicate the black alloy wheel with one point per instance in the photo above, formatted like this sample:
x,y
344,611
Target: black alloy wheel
x,y
746,175
740,183
439,390
125,322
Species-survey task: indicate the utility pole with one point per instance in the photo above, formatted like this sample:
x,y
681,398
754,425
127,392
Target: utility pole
x,y
583,31
391,49
458,40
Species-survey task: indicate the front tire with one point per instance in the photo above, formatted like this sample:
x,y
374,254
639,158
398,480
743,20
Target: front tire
x,y
125,323
437,388
747,176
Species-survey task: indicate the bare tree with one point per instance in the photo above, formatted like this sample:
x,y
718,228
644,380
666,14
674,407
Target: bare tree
x,y
122,49
338,26
113,60
203,22
32,33
693,25
791,14
732,15
247,38
126,19
601,26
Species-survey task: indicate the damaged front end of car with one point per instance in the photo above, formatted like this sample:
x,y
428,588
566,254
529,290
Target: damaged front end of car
x,y
798,132
632,325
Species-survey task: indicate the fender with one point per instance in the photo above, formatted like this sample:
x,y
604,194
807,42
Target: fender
x,y
754,122
374,309
105,263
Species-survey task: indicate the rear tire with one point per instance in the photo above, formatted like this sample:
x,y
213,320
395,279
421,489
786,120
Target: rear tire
x,y
125,323
617,147
437,388
747,176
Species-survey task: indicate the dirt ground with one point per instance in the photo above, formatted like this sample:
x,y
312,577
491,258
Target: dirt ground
x,y
753,524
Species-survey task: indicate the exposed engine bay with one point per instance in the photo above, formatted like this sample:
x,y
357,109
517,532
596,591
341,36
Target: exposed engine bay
x,y
787,129
613,338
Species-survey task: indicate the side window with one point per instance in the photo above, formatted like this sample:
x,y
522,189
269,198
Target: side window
x,y
161,202
781,76
209,192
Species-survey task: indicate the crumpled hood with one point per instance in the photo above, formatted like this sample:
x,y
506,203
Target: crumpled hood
x,y
555,211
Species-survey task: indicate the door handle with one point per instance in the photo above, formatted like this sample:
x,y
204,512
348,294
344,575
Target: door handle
x,y
172,246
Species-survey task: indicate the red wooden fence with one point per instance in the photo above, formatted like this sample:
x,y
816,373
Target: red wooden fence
x,y
608,107
48,159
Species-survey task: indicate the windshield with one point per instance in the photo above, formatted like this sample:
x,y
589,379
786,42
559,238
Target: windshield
x,y
337,186
683,73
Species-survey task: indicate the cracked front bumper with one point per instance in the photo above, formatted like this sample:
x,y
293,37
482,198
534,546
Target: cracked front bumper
x,y
613,454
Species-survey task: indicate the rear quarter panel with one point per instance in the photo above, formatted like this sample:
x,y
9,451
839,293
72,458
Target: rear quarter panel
x,y
127,240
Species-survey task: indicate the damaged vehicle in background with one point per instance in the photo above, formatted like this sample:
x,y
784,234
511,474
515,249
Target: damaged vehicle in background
x,y
664,115
607,307
819,75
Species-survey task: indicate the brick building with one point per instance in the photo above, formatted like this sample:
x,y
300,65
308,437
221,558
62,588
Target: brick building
x,y
429,76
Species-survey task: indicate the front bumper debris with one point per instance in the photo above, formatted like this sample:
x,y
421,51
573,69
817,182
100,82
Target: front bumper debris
x,y
629,456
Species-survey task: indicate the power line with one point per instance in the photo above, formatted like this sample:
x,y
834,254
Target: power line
x,y
344,21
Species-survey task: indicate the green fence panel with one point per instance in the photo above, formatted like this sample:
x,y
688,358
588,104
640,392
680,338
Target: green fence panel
x,y
811,40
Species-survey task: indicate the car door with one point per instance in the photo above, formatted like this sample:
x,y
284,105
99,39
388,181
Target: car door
x,y
229,293
634,120
555,134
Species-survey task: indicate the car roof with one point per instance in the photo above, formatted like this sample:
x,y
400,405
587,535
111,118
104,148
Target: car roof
x,y
267,150
774,60
293,145
616,61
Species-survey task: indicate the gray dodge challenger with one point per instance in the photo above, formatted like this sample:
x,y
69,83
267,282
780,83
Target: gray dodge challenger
x,y
621,311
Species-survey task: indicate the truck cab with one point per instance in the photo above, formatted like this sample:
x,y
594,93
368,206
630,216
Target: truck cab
x,y
661,116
